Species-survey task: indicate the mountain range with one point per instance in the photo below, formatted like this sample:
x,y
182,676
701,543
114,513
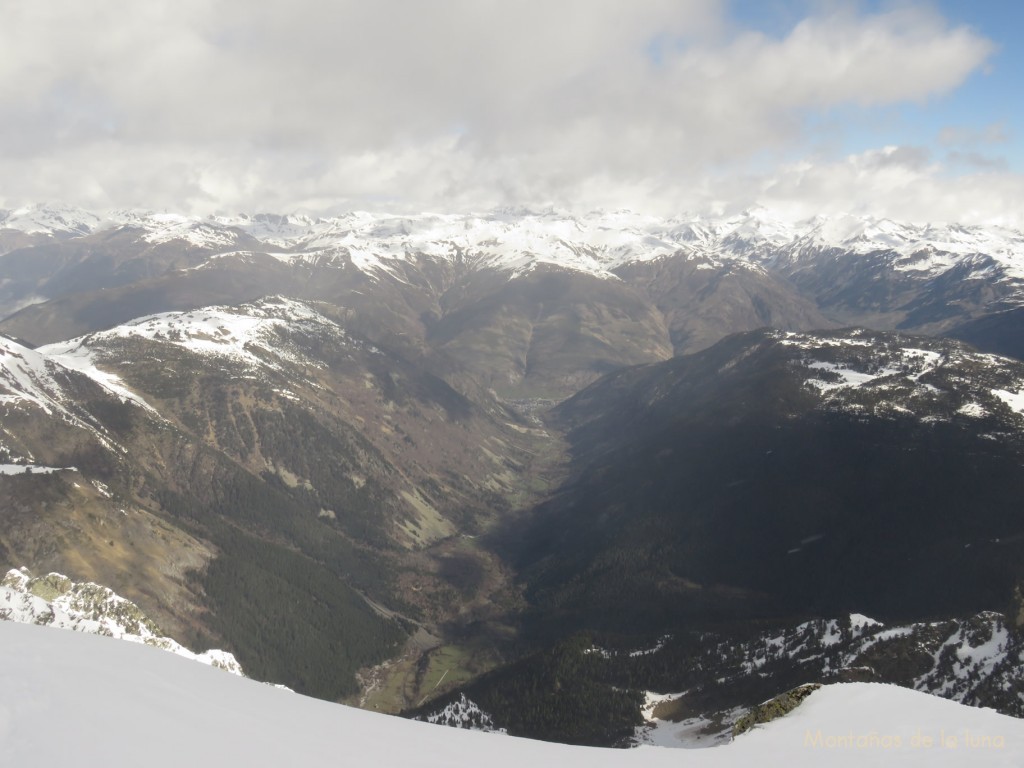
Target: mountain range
x,y
385,459
528,303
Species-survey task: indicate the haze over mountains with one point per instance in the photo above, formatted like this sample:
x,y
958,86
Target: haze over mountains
x,y
380,458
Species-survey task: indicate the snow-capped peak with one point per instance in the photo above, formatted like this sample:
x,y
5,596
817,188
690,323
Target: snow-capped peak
x,y
49,220
518,241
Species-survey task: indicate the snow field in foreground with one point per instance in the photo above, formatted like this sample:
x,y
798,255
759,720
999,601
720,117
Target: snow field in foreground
x,y
71,699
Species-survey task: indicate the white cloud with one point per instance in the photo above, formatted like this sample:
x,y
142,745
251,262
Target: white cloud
x,y
893,183
230,104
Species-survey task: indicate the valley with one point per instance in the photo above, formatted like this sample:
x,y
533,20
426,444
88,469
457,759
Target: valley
x,y
397,461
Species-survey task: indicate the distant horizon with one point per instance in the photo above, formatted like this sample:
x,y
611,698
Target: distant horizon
x,y
774,213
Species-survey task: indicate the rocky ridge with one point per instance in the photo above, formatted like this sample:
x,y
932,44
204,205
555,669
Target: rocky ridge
x,y
54,600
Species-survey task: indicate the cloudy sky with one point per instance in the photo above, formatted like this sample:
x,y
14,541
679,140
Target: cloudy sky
x,y
906,109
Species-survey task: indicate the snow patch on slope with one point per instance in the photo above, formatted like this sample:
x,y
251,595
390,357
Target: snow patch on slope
x,y
1013,399
31,377
27,376
697,732
250,334
975,661
32,469
879,373
970,657
846,377
82,359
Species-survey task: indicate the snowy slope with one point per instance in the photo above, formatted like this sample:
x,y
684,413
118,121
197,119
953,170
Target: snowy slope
x,y
27,377
35,376
33,381
968,656
918,248
251,335
56,601
71,699
974,661
888,374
